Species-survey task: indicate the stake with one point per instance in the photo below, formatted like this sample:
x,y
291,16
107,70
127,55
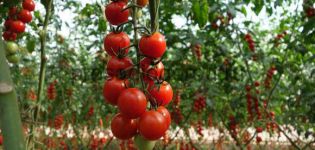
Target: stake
x,y
11,125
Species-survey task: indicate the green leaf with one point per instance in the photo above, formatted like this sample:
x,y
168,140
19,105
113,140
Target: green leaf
x,y
102,25
308,26
200,11
243,10
259,4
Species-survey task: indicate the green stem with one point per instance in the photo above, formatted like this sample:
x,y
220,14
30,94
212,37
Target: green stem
x,y
154,14
135,42
41,83
11,125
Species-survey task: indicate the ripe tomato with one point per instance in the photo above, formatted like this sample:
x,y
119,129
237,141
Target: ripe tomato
x,y
114,42
13,12
112,89
29,5
151,70
25,16
116,65
152,125
123,128
7,23
1,139
162,94
153,46
132,103
114,13
166,114
17,26
142,3
259,129
9,36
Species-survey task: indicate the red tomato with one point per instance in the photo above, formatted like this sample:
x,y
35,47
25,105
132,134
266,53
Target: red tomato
x,y
1,139
152,125
112,89
166,114
142,3
116,65
114,13
259,129
13,12
123,128
152,71
25,16
114,42
153,46
17,26
9,36
7,23
132,103
29,5
162,94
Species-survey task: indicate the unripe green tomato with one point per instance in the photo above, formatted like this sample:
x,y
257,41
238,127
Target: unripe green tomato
x,y
14,59
143,144
11,48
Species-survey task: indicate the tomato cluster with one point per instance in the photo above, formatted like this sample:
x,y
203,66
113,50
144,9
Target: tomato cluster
x,y
233,126
58,121
176,114
199,128
279,37
90,112
271,71
196,49
51,91
199,104
252,101
251,44
134,118
221,20
96,143
17,17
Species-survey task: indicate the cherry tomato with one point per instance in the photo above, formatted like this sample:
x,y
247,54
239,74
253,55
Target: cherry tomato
x,y
116,65
13,12
142,3
29,5
25,16
114,42
7,23
152,125
152,71
153,46
112,89
14,59
166,114
1,140
114,13
17,26
132,103
11,48
9,36
123,128
162,94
